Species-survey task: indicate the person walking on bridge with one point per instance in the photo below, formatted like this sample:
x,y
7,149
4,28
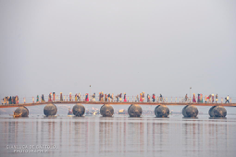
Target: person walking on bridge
x,y
79,97
216,98
42,98
105,97
194,99
76,97
93,97
102,95
227,99
70,97
61,97
4,100
54,96
99,96
205,99
109,97
153,97
112,97
120,97
198,98
49,98
125,100
143,96
9,99
87,97
186,97
117,98
209,98
201,98
137,99
17,99
148,98
161,98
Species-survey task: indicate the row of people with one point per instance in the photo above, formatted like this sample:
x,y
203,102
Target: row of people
x,y
208,99
110,98
10,100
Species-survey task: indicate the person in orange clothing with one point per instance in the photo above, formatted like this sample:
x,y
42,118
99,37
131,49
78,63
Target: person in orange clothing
x,y
206,98
216,98
143,96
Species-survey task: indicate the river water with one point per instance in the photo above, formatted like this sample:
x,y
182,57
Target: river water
x,y
117,136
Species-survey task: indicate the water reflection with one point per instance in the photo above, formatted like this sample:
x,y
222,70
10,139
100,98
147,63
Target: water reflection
x,y
121,136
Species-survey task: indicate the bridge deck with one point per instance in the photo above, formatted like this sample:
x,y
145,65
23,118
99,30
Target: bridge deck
x,y
117,103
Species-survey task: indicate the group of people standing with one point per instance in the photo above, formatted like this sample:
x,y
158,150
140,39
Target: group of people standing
x,y
10,100
154,98
208,99
105,97
110,98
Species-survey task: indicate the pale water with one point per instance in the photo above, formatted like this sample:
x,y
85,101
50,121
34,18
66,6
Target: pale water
x,y
120,135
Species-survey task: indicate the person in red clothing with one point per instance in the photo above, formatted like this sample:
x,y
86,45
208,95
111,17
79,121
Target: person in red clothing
x,y
153,97
194,99
87,97
125,100
70,97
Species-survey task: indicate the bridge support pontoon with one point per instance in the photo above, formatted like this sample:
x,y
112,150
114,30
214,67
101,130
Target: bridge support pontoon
x,y
135,110
21,112
217,111
161,111
50,110
78,110
107,110
190,111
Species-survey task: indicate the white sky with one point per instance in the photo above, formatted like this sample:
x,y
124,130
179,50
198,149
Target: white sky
x,y
118,46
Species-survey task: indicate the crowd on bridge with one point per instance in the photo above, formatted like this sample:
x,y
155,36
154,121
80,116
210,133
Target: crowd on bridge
x,y
121,97
10,100
208,99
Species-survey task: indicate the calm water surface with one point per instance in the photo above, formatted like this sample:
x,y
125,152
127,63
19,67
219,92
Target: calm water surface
x,y
117,136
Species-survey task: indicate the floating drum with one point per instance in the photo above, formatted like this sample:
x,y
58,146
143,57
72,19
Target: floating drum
x,y
217,111
107,110
135,110
50,110
78,110
190,111
161,111
21,112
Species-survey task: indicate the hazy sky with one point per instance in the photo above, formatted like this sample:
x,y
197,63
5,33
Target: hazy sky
x,y
118,46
